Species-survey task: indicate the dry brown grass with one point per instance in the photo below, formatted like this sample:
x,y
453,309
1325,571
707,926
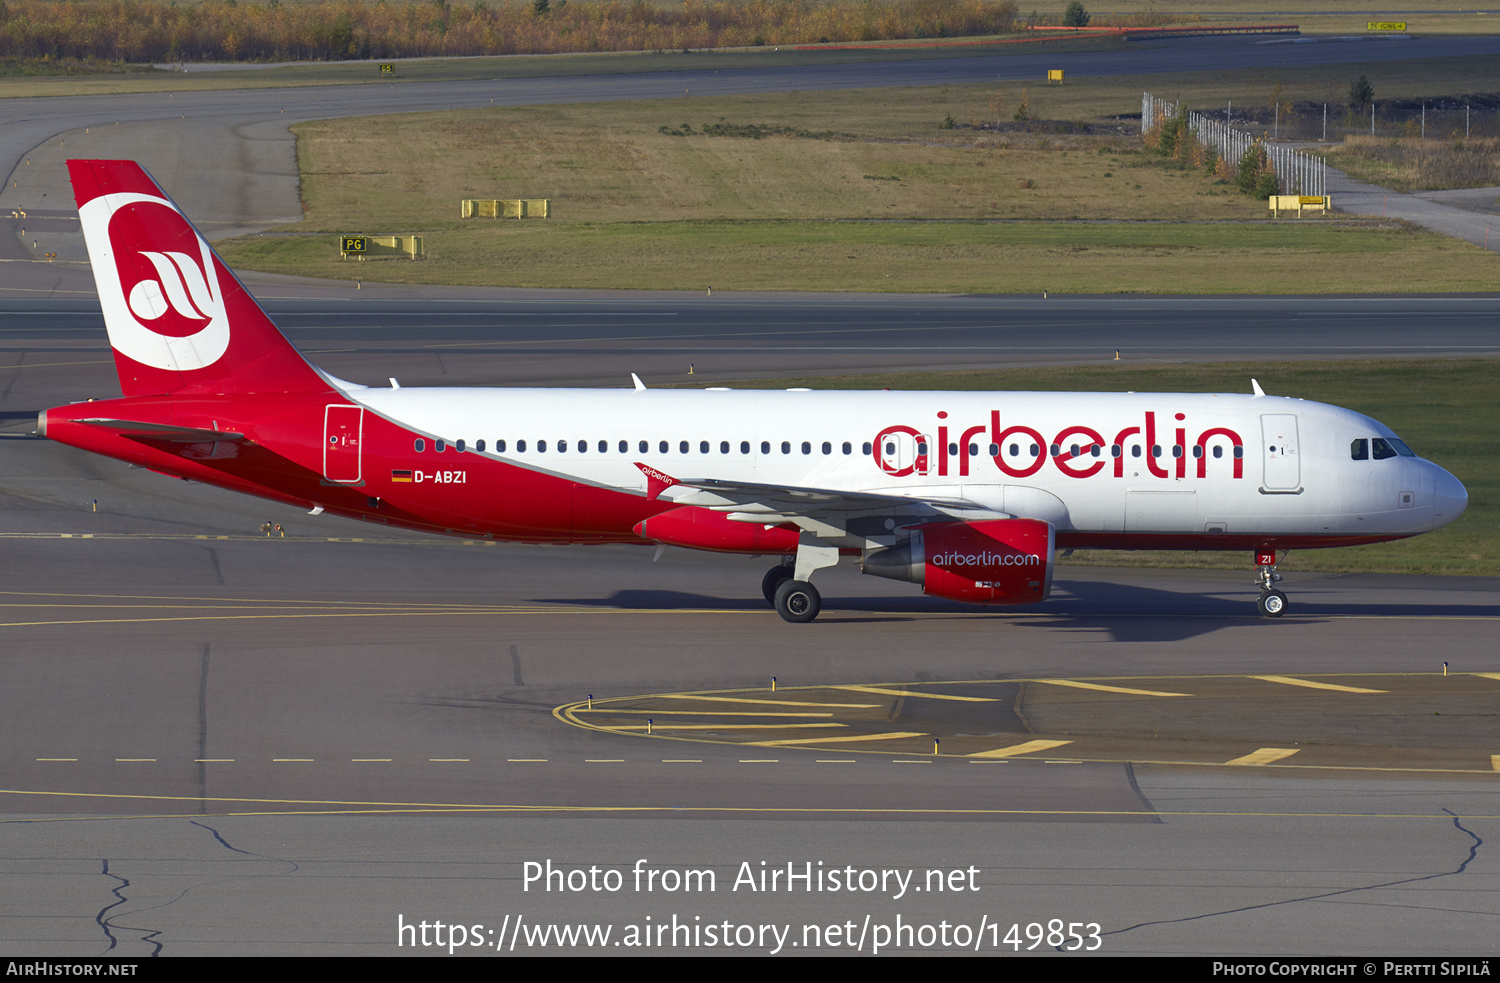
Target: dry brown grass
x,y
1414,164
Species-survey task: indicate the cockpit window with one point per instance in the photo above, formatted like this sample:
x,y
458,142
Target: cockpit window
x,y
1359,450
1401,447
1382,448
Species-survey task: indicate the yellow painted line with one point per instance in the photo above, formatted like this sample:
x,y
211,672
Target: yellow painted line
x,y
57,759
204,761
710,713
448,760
1486,675
1290,681
604,761
908,761
291,759
527,760
1109,689
760,761
776,703
135,759
1264,756
847,739
682,761
1010,752
881,691
368,760
836,761
724,726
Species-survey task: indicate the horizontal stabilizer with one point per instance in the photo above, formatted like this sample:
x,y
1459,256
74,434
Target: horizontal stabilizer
x,y
163,431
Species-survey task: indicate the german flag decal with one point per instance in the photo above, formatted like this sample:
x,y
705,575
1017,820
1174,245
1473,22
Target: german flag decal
x,y
400,475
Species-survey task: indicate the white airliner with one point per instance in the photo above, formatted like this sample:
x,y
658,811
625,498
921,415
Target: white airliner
x,y
968,495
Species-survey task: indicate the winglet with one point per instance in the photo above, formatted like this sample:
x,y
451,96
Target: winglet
x,y
1259,392
639,385
656,481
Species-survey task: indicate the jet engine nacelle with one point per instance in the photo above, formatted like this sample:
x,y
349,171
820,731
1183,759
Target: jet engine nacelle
x,y
997,561
705,529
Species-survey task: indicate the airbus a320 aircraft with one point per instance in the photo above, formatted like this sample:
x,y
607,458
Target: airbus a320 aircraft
x,y
968,495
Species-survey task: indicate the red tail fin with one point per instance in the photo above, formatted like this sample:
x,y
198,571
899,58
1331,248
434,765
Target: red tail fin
x,y
178,319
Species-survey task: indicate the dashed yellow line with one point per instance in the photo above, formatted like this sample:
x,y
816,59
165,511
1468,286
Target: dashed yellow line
x,y
1107,689
708,713
723,726
1264,756
1292,681
1015,749
883,691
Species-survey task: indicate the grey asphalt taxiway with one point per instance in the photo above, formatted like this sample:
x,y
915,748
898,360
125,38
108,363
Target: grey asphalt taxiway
x,y
215,742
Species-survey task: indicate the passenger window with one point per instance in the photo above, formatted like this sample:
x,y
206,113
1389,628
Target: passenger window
x,y
562,447
765,447
744,447
867,449
663,446
459,445
439,446
520,447
541,447
702,447
994,450
827,447
419,445
499,447
806,447
786,447
723,447
682,448
479,446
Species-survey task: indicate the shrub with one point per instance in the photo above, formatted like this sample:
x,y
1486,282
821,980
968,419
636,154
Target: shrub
x,y
1075,15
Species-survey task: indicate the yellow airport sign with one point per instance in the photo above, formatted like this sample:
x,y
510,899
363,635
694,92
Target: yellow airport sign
x,y
1385,25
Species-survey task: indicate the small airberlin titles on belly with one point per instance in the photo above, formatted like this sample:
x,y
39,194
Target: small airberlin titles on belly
x,y
1078,451
432,477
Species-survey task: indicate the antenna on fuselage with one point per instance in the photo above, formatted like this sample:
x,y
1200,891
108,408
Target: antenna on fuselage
x,y
1259,392
639,385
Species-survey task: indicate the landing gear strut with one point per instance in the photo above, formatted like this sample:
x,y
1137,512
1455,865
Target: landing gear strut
x,y
788,587
1272,602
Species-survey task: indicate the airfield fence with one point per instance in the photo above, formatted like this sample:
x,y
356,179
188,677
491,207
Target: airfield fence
x,y
1297,173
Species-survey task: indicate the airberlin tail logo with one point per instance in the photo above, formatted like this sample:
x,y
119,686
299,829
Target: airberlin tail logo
x,y
161,298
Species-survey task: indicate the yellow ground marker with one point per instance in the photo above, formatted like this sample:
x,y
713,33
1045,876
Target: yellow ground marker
x,y
1495,762
881,691
1108,689
1018,749
775,703
1290,681
848,739
1264,756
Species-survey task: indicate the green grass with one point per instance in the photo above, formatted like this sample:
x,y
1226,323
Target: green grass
x,y
1447,410
942,257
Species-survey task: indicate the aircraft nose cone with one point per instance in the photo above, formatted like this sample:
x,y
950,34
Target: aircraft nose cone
x,y
1449,499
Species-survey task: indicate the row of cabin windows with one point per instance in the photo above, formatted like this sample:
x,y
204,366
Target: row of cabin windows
x,y
642,447
827,447
1380,448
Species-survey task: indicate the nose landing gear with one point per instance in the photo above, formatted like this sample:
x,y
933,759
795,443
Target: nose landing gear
x,y
1272,602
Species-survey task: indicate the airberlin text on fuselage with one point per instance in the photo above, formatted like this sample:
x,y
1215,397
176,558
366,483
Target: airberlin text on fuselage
x,y
1084,464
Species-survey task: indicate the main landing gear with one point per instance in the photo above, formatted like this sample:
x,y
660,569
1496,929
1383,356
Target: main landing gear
x,y
1272,602
788,587
796,601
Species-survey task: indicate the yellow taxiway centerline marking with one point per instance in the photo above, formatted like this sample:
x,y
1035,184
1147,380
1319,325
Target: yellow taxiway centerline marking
x,y
1108,689
778,703
723,726
881,691
1291,681
1486,675
847,739
1015,749
709,713
1264,756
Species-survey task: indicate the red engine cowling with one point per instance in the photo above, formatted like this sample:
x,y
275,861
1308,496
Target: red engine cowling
x,y
705,529
997,561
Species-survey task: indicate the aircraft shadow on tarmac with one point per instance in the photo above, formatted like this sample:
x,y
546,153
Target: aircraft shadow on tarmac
x,y
1129,613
